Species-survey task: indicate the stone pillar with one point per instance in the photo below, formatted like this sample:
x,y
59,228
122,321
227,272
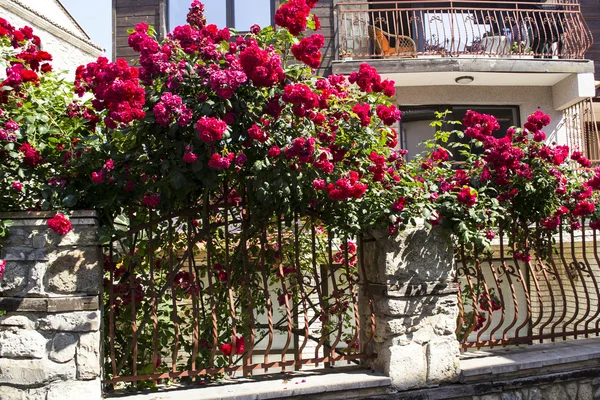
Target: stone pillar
x,y
410,279
50,340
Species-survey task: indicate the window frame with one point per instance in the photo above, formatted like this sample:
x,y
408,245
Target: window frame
x,y
402,138
229,13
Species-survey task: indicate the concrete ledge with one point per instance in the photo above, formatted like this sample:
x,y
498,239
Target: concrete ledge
x,y
513,65
352,384
463,391
50,304
530,360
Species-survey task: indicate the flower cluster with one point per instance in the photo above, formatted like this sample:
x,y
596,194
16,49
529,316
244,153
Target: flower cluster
x,y
368,80
31,156
346,188
60,224
263,67
29,61
115,87
308,50
227,348
210,129
293,15
171,108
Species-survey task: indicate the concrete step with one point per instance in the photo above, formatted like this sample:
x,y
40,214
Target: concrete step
x,y
343,383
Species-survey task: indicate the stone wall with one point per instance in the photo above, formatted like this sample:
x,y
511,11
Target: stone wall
x,y
50,339
409,278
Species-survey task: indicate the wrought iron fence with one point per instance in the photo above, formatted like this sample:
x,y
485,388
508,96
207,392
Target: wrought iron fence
x,y
397,29
205,292
505,299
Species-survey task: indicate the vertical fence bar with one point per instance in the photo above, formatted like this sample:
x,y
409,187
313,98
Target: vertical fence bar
x,y
299,277
592,277
567,270
174,316
229,270
209,274
192,288
318,288
153,298
111,312
269,305
247,281
288,312
577,267
338,302
133,311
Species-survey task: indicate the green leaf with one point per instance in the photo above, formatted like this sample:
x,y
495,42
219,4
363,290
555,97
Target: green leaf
x,y
69,201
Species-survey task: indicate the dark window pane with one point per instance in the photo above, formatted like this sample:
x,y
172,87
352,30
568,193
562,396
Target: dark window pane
x,y
248,13
506,116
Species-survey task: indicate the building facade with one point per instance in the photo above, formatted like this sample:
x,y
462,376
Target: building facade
x,y
59,32
509,59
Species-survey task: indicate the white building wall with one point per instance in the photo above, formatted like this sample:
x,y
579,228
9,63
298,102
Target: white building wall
x,y
68,50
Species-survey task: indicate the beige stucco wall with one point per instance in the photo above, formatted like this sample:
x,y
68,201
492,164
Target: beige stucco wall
x,y
68,50
529,99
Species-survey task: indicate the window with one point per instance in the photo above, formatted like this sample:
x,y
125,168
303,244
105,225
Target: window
x,y
237,14
414,126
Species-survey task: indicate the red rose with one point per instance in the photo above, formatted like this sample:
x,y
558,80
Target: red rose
x,y
60,224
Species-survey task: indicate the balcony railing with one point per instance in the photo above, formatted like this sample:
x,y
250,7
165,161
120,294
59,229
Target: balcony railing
x,y
399,29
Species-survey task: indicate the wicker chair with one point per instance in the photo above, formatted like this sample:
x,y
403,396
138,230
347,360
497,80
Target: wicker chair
x,y
405,46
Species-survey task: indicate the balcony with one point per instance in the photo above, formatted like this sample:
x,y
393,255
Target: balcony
x,y
466,29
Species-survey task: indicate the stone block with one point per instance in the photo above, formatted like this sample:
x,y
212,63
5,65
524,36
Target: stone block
x,y
14,279
442,360
414,255
81,235
35,283
13,393
572,390
78,321
405,365
88,356
77,270
24,253
89,390
585,391
18,237
24,321
22,343
39,240
23,373
386,327
512,395
554,392
535,394
63,348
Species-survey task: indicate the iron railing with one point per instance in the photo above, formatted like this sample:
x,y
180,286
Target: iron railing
x,y
397,29
582,129
203,292
555,295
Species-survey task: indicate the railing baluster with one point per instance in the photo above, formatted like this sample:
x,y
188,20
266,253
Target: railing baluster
x,y
174,316
247,281
111,312
592,277
153,310
286,296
